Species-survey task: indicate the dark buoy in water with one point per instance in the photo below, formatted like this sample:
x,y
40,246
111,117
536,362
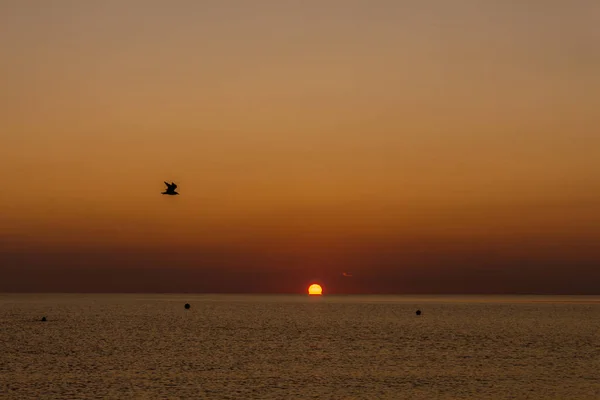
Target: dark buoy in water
x,y
187,306
418,312
44,319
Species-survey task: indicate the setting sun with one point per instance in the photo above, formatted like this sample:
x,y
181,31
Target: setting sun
x,y
315,290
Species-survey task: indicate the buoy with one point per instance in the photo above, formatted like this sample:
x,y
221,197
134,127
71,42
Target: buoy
x,y
187,306
418,312
44,319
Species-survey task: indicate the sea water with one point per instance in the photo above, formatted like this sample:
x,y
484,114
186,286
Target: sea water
x,y
298,347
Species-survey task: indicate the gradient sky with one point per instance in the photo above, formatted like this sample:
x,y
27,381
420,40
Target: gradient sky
x,y
427,146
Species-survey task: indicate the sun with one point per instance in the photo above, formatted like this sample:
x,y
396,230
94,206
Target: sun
x,y
315,290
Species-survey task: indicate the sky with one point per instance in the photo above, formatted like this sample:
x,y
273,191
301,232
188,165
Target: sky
x,y
425,146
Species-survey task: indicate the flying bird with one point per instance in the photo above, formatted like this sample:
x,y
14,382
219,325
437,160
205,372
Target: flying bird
x,y
346,274
170,189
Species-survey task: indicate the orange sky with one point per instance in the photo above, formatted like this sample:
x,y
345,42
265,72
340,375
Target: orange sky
x,y
306,137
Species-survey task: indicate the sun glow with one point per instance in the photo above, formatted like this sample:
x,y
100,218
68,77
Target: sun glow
x,y
315,290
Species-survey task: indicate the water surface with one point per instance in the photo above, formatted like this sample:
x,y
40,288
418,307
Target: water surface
x,y
296,347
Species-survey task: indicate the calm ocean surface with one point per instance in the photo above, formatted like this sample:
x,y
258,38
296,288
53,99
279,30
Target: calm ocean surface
x,y
296,347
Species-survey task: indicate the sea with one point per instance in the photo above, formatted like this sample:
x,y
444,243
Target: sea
x,y
139,346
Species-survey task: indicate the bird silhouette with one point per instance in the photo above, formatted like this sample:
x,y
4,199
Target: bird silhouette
x,y
170,189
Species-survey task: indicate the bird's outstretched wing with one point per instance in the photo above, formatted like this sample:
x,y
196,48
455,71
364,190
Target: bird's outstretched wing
x,y
173,185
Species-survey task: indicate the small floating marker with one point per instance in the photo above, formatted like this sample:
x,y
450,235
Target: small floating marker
x,y
187,306
44,319
418,312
